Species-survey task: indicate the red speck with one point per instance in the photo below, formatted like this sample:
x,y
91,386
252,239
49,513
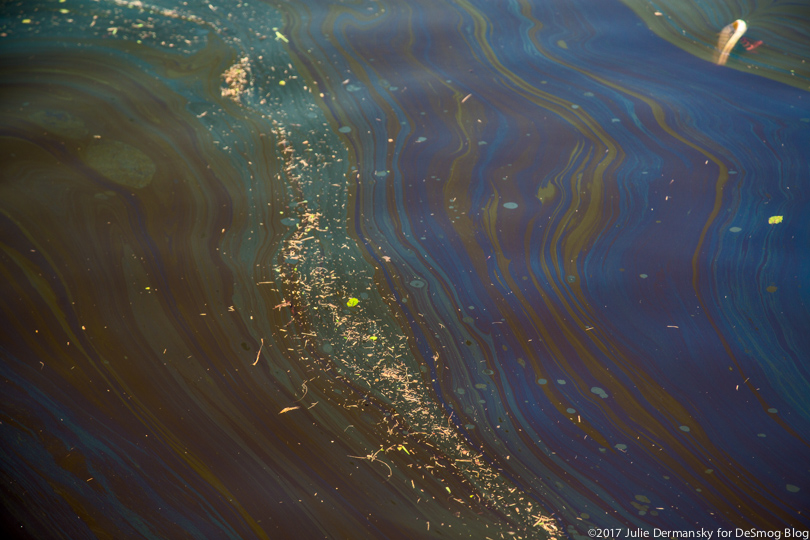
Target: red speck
x,y
750,45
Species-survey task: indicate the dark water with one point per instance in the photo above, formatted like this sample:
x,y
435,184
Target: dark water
x,y
423,269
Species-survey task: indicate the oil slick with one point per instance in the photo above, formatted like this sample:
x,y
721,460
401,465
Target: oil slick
x,y
729,36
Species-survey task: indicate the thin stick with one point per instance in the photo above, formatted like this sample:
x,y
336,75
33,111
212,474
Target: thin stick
x,y
258,354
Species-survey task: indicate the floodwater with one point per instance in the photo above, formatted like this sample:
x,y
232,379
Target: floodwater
x,y
403,269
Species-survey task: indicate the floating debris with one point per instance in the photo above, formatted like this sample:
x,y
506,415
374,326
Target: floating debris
x,y
729,36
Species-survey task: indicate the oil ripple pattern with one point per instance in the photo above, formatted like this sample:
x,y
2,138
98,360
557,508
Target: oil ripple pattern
x,y
395,270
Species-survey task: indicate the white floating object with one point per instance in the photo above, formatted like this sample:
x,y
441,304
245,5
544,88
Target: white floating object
x,y
729,36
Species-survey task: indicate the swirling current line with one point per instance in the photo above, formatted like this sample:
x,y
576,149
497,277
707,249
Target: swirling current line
x,y
346,25
506,175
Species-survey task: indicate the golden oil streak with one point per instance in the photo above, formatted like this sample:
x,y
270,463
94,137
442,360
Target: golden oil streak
x,y
583,223
722,179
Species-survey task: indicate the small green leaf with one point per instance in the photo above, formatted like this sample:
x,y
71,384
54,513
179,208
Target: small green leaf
x,y
352,302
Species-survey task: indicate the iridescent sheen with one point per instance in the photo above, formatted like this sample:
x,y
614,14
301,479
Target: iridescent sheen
x,y
359,269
